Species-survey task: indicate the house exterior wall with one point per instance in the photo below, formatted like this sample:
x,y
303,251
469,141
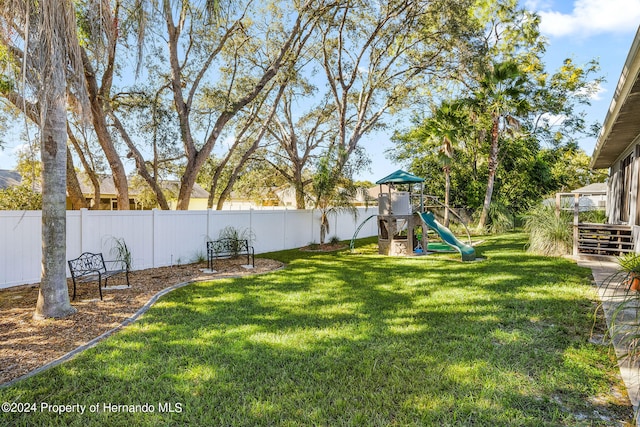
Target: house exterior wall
x,y
617,190
195,204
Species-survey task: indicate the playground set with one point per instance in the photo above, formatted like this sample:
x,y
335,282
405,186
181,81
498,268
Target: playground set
x,y
404,220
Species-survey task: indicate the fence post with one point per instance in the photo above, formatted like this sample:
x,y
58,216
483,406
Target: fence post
x,y
576,231
154,237
208,224
84,226
251,232
284,228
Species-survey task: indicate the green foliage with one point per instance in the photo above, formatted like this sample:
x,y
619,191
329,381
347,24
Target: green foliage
x,y
332,192
257,183
624,329
514,128
236,235
549,234
20,197
145,196
120,251
624,323
595,216
569,168
230,232
198,257
501,219
630,262
527,173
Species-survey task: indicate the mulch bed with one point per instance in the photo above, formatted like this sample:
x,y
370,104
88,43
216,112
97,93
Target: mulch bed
x,y
325,247
26,344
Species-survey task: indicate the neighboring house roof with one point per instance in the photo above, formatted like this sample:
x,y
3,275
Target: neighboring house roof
x,y
622,122
9,179
595,188
197,192
400,177
107,187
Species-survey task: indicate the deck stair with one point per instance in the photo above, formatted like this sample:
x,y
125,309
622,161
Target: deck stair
x,y
604,239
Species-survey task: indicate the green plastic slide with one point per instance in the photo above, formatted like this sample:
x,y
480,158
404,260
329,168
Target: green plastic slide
x,y
467,252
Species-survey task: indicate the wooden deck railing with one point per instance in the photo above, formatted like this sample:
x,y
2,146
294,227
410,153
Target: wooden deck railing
x,y
602,239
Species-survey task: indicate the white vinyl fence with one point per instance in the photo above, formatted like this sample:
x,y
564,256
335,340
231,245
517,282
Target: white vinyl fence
x,y
161,238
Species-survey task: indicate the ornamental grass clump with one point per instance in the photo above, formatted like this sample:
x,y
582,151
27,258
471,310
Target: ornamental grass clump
x,y
549,234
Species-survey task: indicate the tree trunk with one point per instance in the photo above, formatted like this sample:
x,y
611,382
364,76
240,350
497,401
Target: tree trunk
x,y
99,121
493,166
187,181
53,297
78,200
91,173
324,225
300,202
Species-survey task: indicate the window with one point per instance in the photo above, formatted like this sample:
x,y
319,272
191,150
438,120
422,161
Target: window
x,y
626,168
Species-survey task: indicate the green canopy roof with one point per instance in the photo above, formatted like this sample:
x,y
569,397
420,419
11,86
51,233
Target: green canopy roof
x,y
400,177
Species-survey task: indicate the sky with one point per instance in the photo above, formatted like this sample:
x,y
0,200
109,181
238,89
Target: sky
x,y
579,29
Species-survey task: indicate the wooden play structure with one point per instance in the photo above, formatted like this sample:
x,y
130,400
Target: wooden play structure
x,y
398,227
404,221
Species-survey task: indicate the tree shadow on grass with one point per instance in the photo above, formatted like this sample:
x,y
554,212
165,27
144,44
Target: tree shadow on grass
x,y
353,340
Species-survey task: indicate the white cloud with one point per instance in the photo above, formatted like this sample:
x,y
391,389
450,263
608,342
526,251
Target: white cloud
x,y
552,119
590,17
20,149
596,91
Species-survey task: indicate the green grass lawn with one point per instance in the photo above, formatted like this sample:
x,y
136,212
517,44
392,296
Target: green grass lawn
x,y
352,339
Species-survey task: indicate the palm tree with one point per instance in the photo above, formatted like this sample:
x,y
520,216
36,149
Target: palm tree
x,y
42,39
501,94
444,131
332,193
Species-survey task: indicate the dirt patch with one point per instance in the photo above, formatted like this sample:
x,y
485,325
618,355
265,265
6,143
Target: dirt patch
x,y
325,247
26,344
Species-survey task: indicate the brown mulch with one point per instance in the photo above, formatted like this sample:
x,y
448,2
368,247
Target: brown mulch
x,y
324,247
26,344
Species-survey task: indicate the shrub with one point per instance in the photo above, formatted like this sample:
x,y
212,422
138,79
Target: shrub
x,y
230,232
199,258
121,251
20,197
593,216
549,234
500,219
233,233
334,240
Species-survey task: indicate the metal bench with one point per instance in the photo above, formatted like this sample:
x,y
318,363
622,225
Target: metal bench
x,y
90,267
227,248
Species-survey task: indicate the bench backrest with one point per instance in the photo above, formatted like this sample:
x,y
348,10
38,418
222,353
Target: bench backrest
x,y
228,246
87,263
